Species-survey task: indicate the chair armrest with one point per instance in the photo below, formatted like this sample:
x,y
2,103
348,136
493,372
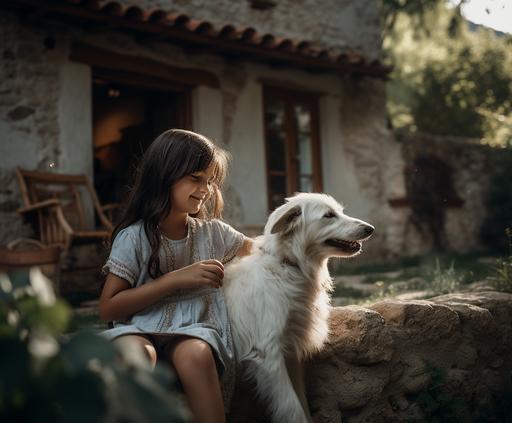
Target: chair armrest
x,y
41,205
110,206
49,204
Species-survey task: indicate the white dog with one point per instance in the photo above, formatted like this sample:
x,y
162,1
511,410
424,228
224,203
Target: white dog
x,y
278,300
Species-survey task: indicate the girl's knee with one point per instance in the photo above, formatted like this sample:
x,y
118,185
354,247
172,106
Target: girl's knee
x,y
141,342
191,353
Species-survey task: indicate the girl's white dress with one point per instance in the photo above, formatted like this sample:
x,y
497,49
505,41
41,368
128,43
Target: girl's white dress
x,y
198,312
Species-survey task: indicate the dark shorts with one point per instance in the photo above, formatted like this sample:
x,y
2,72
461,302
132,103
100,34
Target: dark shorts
x,y
164,343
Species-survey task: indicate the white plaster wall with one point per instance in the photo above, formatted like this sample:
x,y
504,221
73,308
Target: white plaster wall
x,y
75,119
339,174
232,116
17,148
246,178
207,113
248,175
75,123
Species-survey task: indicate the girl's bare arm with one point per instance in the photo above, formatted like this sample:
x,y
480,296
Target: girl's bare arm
x,y
118,300
246,247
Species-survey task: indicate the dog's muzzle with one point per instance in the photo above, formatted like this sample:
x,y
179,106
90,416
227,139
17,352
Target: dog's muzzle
x,y
345,246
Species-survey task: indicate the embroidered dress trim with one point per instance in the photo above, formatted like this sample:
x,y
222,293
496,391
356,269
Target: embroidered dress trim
x,y
231,253
228,379
208,294
168,315
120,270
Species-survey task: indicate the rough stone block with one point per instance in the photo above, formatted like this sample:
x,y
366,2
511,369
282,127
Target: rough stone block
x,y
423,320
20,112
358,335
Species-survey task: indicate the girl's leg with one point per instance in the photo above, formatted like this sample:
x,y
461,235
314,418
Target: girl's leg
x,y
195,365
146,346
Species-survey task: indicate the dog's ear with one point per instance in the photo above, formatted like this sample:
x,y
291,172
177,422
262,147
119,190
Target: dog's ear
x,y
287,221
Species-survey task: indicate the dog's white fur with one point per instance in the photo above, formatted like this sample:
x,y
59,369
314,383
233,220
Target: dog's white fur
x,y
278,297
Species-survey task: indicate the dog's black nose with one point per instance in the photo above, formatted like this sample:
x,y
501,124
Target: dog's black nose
x,y
368,230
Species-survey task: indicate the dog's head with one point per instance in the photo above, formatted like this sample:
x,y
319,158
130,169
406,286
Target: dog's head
x,y
317,225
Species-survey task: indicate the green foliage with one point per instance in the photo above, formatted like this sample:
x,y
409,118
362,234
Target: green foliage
x,y
436,403
436,280
347,291
48,377
445,280
499,408
428,275
502,277
447,79
460,94
414,9
499,202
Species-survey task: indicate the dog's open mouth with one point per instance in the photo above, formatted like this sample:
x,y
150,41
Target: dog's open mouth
x,y
346,246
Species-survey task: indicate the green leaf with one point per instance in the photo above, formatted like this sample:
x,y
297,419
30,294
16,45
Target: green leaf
x,y
84,347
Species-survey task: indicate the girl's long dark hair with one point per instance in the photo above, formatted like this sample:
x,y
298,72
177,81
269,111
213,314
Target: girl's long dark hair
x,y
173,155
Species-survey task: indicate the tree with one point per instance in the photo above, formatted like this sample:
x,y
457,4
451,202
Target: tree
x,y
447,80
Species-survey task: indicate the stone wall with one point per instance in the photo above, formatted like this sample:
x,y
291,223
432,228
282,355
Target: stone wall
x,y
353,24
45,120
379,360
59,98
29,94
471,166
380,166
371,154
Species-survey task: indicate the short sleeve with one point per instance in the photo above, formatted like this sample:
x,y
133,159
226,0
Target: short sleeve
x,y
230,238
124,256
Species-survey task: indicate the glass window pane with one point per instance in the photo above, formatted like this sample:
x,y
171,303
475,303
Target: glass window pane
x,y
276,150
274,113
306,184
277,188
304,154
303,118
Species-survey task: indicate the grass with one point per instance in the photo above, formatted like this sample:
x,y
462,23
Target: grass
x,y
434,274
468,262
347,291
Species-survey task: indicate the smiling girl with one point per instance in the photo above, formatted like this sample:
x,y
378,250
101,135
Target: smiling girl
x,y
166,266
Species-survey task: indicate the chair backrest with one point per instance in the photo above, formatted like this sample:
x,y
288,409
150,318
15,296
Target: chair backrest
x,y
75,193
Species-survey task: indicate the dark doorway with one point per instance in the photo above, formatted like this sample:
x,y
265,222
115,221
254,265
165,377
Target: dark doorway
x,y
127,116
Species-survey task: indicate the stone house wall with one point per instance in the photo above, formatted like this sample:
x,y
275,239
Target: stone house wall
x,y
341,24
46,122
46,119
471,167
39,107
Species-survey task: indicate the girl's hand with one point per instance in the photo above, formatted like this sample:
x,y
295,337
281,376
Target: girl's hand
x,y
201,273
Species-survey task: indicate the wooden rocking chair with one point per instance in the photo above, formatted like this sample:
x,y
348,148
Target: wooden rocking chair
x,y
63,209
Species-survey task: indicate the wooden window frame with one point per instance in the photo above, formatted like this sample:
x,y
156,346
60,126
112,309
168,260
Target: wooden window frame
x,y
291,98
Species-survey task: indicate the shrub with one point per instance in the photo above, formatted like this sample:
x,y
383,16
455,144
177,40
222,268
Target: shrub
x,y
502,277
48,377
436,404
499,202
445,280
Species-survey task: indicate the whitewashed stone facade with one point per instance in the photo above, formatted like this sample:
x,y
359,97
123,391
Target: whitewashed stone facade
x,y
331,24
46,118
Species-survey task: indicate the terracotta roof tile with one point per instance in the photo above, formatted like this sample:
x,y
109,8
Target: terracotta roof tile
x,y
228,38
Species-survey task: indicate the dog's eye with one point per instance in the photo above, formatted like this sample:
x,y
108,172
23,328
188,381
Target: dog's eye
x,y
329,215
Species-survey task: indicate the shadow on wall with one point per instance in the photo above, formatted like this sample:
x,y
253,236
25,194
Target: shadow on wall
x,y
430,189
